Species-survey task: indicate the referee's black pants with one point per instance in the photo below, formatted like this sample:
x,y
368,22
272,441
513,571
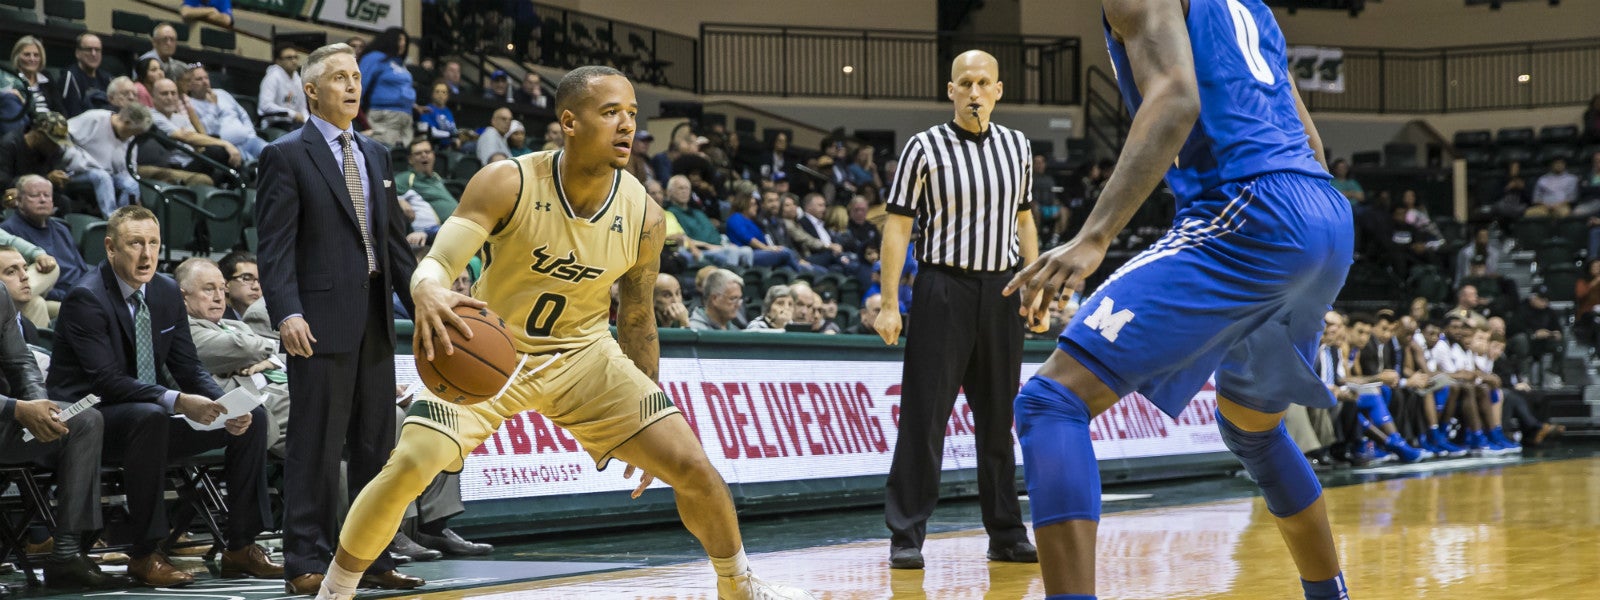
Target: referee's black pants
x,y
962,334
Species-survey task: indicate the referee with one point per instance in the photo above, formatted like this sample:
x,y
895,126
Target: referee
x,y
967,184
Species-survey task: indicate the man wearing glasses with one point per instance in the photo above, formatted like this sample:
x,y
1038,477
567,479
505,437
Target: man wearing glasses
x,y
85,78
163,44
244,283
283,97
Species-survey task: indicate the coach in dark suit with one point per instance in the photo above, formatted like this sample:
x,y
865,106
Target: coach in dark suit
x,y
332,249
124,335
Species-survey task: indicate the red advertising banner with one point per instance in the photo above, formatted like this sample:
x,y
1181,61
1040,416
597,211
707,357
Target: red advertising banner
x,y
786,420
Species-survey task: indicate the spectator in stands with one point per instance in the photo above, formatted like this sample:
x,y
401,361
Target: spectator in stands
x,y
439,119
283,96
554,139
222,115
492,142
215,12
823,247
130,302
84,78
32,223
1535,329
1589,186
121,92
72,449
499,89
670,310
104,137
1052,216
389,95
1480,246
700,239
532,92
744,231
452,78
1554,192
38,150
808,309
724,299
1513,385
517,140
30,82
163,44
1497,294
1591,121
244,283
777,310
427,183
171,120
863,170
778,159
1587,315
1345,184
146,73
357,44
1469,307
869,313
639,163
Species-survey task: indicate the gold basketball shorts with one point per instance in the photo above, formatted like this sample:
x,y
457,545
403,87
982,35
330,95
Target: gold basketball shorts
x,y
594,392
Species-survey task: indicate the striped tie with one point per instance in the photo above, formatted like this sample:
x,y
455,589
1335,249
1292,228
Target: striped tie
x,y
143,342
352,182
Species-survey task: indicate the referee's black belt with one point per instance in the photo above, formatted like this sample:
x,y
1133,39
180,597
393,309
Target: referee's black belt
x,y
960,272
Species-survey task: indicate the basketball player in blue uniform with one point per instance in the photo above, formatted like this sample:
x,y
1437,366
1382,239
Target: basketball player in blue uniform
x,y
1259,248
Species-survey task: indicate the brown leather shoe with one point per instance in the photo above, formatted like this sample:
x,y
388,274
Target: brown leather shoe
x,y
304,585
183,546
250,561
390,580
153,570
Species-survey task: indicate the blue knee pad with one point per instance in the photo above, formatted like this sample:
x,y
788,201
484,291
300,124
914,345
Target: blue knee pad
x,y
1276,464
1058,457
1441,397
1374,409
1494,396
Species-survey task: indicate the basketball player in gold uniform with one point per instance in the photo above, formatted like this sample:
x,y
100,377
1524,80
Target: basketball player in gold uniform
x,y
561,227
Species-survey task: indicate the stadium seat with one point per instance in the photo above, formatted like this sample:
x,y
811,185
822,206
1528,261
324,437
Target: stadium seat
x,y
1550,152
1514,136
250,239
403,330
1563,282
781,276
1478,158
93,243
1559,134
64,13
134,24
1517,154
78,223
224,231
218,39
456,187
848,315
1530,233
465,167
1555,252
1400,155
1366,159
1573,230
21,11
1479,138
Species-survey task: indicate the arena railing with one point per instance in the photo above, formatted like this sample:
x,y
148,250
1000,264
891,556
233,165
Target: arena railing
x,y
1465,78
767,60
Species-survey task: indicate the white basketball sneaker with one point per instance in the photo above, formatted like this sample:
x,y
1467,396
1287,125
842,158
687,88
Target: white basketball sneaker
x,y
750,587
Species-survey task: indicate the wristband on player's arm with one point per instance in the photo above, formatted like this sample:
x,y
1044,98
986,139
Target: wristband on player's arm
x,y
458,241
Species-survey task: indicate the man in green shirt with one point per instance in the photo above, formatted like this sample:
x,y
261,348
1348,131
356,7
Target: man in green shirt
x,y
702,238
427,183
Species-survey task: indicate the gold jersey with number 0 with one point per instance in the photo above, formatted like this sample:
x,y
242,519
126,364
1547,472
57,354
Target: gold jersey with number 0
x,y
549,271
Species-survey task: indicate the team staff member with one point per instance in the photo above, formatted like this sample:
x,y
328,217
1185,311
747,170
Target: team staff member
x,y
966,183
332,249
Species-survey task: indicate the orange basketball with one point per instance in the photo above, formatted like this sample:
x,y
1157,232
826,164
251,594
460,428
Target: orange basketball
x,y
479,368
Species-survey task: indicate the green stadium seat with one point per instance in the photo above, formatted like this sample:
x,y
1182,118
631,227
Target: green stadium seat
x,y
464,167
1563,282
250,239
134,24
64,13
224,231
93,243
1530,233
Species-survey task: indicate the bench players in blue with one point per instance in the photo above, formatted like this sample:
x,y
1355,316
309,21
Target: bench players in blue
x,y
1259,248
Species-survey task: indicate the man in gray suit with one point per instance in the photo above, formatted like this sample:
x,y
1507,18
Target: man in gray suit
x,y
71,448
236,355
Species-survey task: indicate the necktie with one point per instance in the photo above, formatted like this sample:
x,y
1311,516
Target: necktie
x,y
143,342
352,182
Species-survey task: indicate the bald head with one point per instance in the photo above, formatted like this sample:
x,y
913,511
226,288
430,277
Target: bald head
x,y
974,88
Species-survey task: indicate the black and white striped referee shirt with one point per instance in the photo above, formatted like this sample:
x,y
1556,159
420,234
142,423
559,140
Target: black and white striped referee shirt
x,y
965,190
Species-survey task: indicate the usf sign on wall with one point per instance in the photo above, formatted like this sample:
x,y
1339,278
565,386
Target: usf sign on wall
x,y
375,15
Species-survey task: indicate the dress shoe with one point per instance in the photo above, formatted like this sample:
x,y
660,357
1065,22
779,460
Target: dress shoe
x,y
905,558
412,551
304,585
154,570
390,580
399,559
107,558
452,544
250,561
184,546
79,572
45,547
1020,552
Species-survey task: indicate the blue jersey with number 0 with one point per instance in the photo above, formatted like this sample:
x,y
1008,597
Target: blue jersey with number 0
x,y
1248,125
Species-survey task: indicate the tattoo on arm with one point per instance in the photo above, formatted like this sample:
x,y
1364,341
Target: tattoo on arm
x,y
636,315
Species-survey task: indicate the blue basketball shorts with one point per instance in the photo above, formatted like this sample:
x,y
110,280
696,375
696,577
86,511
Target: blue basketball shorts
x,y
1238,287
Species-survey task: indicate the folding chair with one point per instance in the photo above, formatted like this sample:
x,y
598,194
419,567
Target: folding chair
x,y
16,515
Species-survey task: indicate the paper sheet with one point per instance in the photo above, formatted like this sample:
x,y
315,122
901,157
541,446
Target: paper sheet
x,y
237,403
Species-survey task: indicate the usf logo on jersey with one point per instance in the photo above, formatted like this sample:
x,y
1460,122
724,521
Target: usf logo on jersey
x,y
565,269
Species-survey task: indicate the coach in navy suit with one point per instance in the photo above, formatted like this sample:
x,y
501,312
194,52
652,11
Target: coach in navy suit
x,y
124,336
332,249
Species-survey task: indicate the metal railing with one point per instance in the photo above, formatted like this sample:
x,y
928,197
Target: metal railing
x,y
1469,78
571,39
863,63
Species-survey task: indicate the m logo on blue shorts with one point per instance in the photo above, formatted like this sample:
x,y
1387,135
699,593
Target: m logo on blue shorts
x,y
1107,320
